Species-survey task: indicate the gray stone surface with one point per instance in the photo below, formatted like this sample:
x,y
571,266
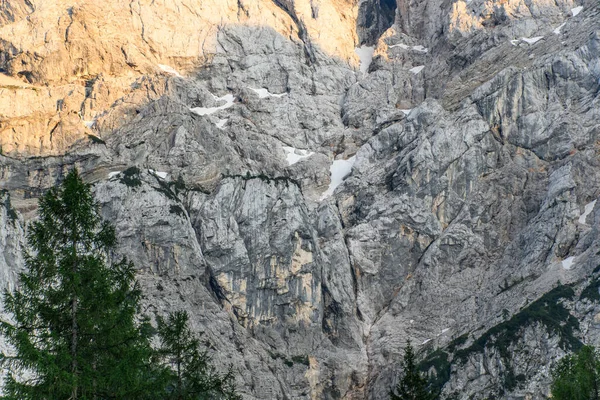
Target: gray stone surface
x,y
456,215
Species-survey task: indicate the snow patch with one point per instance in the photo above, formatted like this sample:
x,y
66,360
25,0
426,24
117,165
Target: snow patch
x,y
425,341
221,123
161,175
169,70
532,40
89,124
228,99
294,155
339,169
558,28
589,207
403,46
576,10
416,70
264,93
418,48
113,174
567,263
365,54
406,111
445,330
515,42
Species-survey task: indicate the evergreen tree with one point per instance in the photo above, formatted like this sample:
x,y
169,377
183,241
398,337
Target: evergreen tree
x,y
577,376
73,326
413,385
191,374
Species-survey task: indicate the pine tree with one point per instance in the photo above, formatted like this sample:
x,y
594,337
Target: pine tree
x,y
413,385
577,376
73,326
192,375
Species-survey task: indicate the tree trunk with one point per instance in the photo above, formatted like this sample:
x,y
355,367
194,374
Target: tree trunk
x,y
74,366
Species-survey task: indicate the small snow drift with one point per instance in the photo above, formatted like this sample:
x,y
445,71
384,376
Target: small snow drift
x,y
161,175
416,70
113,174
228,99
221,123
587,211
339,169
169,70
365,53
576,10
558,28
406,111
532,40
419,48
567,263
294,155
264,93
515,42
89,124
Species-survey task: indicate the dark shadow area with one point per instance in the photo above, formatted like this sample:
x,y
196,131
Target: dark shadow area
x,y
374,18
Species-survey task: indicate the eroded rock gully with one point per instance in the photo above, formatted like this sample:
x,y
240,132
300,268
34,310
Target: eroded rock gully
x,y
211,129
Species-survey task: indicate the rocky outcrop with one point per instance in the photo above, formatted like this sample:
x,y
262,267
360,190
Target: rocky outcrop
x,y
312,216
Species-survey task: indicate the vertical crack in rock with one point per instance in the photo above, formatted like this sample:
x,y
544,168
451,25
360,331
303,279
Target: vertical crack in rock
x,y
374,18
288,7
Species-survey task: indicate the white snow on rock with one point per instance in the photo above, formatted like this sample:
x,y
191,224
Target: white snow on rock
x,y
169,70
264,93
406,111
445,330
339,169
567,263
576,10
416,70
558,28
532,40
365,53
418,48
587,211
89,124
426,341
404,46
221,123
113,174
228,99
515,42
161,175
294,155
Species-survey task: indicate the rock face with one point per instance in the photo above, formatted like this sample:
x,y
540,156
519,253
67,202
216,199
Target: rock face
x,y
214,132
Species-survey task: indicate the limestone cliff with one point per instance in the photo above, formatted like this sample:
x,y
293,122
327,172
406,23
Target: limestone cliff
x,y
313,206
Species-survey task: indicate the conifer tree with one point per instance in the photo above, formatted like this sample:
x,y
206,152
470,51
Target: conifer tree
x,y
413,385
192,375
577,376
73,325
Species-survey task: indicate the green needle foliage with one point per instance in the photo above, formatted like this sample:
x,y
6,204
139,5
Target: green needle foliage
x,y
577,376
413,385
191,374
73,326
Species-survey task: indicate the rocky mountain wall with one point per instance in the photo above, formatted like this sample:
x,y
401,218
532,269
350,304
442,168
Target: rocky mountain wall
x,y
314,208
